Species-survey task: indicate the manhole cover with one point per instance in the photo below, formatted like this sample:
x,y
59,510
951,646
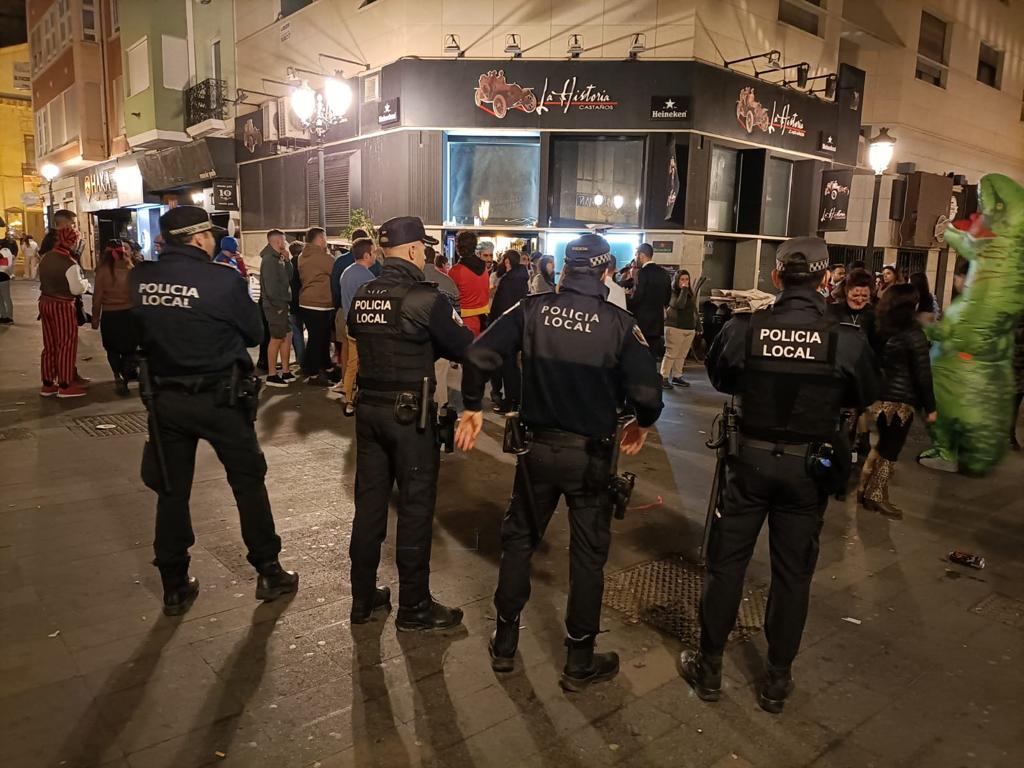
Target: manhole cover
x,y
666,594
1001,608
16,434
111,424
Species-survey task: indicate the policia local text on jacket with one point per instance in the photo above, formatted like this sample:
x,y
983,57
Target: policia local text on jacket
x,y
402,325
793,368
195,321
583,359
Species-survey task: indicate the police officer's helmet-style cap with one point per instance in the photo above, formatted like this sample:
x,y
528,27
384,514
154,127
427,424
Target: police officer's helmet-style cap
x,y
588,251
403,230
187,220
802,255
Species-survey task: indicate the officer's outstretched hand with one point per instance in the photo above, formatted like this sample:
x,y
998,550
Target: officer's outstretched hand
x,y
470,424
633,438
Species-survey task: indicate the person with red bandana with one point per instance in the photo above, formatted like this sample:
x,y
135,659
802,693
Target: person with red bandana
x,y
60,281
471,278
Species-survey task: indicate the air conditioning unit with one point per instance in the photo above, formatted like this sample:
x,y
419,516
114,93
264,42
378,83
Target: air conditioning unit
x,y
288,126
270,108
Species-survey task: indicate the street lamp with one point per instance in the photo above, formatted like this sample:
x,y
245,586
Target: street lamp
x,y
49,171
318,111
880,150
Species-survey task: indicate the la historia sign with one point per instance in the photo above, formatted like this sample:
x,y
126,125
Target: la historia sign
x,y
495,95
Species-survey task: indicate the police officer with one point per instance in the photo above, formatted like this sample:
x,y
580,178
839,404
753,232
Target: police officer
x,y
793,367
195,320
401,326
583,359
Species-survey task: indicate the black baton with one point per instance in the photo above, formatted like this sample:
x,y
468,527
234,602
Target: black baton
x,y
148,395
515,443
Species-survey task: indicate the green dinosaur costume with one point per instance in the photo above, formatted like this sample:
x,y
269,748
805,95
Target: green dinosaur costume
x,y
972,350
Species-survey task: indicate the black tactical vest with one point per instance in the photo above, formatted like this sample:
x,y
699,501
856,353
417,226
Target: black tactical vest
x,y
395,354
791,392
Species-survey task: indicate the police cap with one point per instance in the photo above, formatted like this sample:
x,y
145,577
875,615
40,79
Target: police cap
x,y
186,220
802,256
402,230
589,251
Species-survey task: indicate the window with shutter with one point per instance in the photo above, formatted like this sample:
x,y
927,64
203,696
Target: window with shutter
x,y
932,50
336,186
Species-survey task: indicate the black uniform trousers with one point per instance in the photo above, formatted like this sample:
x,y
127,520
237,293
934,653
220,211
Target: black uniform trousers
x,y
185,419
388,452
560,463
760,484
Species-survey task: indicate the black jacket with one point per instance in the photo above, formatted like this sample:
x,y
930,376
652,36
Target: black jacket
x,y
907,369
582,359
865,319
194,316
652,295
511,288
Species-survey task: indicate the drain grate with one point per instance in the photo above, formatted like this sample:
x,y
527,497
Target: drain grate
x,y
1001,608
18,433
666,594
110,424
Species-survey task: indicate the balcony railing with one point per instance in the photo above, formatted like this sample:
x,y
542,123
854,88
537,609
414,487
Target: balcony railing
x,y
206,100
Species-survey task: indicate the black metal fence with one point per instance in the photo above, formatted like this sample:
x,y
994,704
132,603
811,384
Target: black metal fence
x,y
206,100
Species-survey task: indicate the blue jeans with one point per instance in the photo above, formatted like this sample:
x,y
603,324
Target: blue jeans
x,y
298,340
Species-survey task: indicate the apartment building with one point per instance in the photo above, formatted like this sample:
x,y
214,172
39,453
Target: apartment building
x,y
944,76
20,203
114,90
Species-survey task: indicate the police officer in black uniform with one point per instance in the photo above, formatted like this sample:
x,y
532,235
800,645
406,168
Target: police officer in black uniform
x,y
793,367
401,325
195,320
583,359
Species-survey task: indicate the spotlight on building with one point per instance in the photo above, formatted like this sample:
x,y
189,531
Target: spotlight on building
x,y
772,58
575,49
452,47
638,46
512,47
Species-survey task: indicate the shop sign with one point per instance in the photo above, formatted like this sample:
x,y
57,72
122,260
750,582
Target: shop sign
x,y
782,118
225,196
389,113
662,246
22,76
670,108
496,96
827,142
835,200
99,184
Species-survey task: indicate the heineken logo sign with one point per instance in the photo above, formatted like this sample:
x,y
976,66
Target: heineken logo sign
x,y
670,108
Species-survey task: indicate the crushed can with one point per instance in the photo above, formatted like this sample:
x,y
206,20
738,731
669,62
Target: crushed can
x,y
960,557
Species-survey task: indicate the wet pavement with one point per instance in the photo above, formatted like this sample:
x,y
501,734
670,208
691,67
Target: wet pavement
x,y
907,659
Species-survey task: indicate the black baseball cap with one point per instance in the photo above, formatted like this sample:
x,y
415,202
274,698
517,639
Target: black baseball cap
x,y
802,256
402,230
589,251
187,220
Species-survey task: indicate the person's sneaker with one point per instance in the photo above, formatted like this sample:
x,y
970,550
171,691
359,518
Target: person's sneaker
x,y
288,378
428,616
362,612
349,410
179,598
666,384
71,390
679,381
275,381
703,673
933,460
48,390
274,581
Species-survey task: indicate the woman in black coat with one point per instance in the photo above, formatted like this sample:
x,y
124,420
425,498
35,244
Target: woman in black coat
x,y
903,351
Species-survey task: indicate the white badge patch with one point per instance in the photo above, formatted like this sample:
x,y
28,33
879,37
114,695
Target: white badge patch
x,y
457,318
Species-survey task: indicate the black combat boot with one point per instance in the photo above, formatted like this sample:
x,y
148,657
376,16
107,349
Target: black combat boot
x,y
428,616
503,644
584,667
362,611
703,672
180,591
775,689
274,581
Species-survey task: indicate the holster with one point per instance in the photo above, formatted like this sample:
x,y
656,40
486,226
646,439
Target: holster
x,y
828,464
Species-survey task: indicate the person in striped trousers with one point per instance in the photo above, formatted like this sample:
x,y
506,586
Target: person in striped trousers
x,y
60,281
